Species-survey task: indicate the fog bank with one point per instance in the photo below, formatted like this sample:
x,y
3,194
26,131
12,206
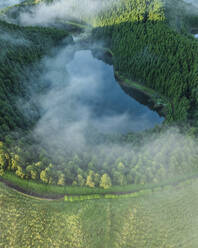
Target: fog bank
x,y
44,13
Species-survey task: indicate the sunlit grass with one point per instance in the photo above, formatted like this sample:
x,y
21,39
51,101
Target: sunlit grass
x,y
76,193
166,218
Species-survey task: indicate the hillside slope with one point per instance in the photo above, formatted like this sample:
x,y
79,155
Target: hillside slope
x,y
152,45
22,48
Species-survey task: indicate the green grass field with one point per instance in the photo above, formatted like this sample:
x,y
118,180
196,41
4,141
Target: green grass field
x,y
166,219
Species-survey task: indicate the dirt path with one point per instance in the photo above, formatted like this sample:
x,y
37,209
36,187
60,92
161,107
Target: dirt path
x,y
30,193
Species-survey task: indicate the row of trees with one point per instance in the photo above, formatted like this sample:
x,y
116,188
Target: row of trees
x,y
162,157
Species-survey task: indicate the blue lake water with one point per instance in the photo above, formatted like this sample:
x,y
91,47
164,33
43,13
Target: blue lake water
x,y
95,91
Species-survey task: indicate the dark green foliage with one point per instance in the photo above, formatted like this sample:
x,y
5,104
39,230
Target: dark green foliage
x,y
20,48
146,49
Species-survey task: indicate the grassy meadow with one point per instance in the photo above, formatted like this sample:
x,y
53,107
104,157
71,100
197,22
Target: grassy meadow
x,y
167,218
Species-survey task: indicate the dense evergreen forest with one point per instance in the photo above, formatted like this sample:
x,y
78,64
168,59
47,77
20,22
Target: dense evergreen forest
x,y
152,45
21,49
156,52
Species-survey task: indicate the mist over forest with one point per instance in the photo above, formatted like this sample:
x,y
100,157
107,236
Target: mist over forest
x,y
98,123
79,126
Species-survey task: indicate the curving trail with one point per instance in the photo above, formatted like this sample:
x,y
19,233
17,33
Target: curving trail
x,y
29,193
94,196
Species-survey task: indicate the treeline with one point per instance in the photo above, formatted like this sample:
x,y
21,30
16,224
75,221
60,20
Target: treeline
x,y
158,157
21,48
148,50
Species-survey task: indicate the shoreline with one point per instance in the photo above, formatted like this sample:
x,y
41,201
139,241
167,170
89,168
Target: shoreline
x,y
150,97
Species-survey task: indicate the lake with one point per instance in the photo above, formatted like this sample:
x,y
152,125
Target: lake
x,y
96,97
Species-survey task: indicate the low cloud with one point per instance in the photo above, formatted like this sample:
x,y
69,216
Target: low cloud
x,y
14,39
193,2
44,14
79,98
